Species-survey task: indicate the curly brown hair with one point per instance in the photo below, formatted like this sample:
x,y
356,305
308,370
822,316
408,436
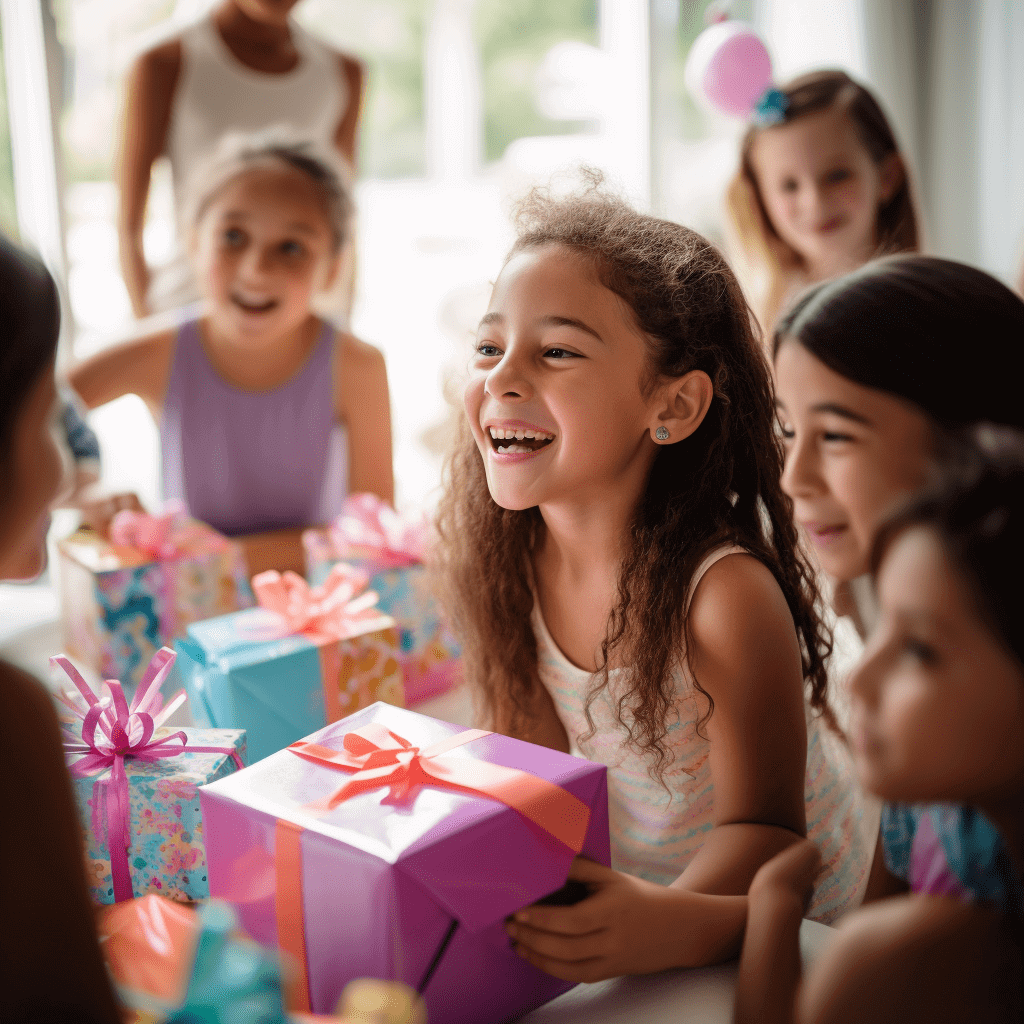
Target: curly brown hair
x,y
720,485
897,225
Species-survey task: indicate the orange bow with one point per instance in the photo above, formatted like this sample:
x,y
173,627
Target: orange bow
x,y
381,758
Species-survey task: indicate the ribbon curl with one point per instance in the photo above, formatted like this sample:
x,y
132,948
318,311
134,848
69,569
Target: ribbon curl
x,y
113,731
332,608
382,758
366,522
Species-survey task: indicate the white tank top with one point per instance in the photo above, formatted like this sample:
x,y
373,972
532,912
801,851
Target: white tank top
x,y
216,95
655,834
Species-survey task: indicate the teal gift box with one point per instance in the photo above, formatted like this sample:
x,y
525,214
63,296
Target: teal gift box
x,y
240,671
167,855
389,549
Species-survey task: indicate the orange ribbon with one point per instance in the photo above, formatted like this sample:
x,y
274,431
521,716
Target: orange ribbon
x,y
381,757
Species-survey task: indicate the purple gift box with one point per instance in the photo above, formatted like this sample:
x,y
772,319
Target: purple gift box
x,y
408,874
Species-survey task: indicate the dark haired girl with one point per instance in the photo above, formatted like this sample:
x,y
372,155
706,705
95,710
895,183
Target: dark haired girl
x,y
938,702
51,960
622,565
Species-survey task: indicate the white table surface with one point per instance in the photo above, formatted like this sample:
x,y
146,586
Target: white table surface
x,y
702,996
30,634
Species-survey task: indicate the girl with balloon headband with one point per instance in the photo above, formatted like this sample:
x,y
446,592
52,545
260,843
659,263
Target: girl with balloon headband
x,y
821,187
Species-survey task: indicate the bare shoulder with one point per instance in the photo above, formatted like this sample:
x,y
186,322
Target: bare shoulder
x,y
737,601
139,365
160,63
356,356
909,958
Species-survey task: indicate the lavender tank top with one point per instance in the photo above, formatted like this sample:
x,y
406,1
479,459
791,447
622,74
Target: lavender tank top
x,y
246,461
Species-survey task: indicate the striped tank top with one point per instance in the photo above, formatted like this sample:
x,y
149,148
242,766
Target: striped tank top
x,y
654,835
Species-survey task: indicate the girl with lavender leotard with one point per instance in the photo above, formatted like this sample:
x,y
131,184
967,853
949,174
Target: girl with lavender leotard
x,y
267,414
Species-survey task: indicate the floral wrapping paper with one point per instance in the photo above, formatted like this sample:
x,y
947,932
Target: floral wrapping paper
x,y
428,653
118,607
167,856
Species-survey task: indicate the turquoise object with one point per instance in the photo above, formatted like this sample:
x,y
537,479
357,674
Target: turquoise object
x,y
770,108
233,980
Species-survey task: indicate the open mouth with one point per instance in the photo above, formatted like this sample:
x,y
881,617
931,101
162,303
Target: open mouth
x,y
254,305
519,440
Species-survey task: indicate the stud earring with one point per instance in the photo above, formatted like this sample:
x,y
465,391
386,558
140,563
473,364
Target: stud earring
x,y
661,433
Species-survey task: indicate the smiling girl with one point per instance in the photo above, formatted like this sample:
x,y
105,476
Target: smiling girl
x,y
622,566
263,407
938,716
872,372
820,192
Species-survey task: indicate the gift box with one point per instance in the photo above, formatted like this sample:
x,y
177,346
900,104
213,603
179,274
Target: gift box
x,y
173,964
389,549
394,845
303,658
122,598
135,783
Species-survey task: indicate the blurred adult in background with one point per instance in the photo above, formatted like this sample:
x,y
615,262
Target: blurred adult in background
x,y
244,67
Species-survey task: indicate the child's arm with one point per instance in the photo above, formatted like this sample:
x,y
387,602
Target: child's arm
x,y
149,92
346,138
363,403
137,367
744,652
769,971
910,958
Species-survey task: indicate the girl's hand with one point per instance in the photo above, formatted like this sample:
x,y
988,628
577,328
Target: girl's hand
x,y
625,926
793,871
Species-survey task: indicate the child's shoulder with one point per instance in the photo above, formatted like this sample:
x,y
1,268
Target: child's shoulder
x,y
735,592
354,351
741,640
908,958
360,375
137,365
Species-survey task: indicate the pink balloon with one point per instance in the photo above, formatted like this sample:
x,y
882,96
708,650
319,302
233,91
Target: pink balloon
x,y
730,66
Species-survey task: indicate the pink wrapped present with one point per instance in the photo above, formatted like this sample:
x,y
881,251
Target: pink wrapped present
x,y
390,549
124,597
393,845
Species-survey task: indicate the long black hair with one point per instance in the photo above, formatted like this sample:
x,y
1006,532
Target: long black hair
x,y
29,326
940,334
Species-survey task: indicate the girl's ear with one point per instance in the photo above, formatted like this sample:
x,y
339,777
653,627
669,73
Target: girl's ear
x,y
891,174
682,405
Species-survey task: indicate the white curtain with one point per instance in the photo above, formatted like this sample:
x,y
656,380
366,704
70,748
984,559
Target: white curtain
x,y
950,75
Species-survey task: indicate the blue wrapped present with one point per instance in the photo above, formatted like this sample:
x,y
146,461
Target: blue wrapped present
x,y
290,667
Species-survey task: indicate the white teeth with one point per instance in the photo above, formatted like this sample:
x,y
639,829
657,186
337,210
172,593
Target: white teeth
x,y
514,449
520,434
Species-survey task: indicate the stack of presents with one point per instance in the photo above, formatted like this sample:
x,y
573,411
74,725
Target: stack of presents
x,y
313,829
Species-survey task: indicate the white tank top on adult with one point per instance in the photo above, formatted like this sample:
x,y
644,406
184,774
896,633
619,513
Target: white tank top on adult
x,y
216,95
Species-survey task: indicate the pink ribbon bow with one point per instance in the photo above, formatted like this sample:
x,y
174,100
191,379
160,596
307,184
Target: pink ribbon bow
x,y
382,758
332,608
112,731
367,522
151,534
